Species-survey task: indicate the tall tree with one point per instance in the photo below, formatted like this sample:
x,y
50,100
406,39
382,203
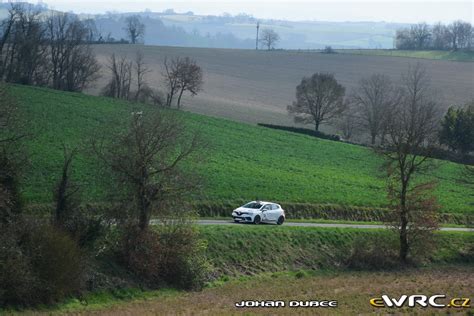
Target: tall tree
x,y
146,161
269,38
141,70
374,100
319,98
421,35
457,129
170,74
460,34
189,78
411,134
134,28
65,192
440,38
24,54
73,64
119,85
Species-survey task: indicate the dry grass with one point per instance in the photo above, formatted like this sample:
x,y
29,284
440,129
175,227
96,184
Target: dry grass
x,y
256,86
352,289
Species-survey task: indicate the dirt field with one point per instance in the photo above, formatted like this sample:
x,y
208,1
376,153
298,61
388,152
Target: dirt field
x,y
352,291
256,86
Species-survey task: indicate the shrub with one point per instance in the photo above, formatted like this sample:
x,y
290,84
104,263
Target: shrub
x,y
39,264
328,50
86,225
172,255
10,201
17,282
184,262
373,254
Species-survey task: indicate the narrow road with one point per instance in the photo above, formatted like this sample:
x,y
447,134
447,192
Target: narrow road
x,y
299,224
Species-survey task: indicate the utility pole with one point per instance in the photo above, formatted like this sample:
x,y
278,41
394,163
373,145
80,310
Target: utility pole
x,y
256,41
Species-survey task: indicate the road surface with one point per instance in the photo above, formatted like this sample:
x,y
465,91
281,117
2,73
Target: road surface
x,y
300,224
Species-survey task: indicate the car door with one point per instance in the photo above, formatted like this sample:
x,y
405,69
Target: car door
x,y
274,213
266,212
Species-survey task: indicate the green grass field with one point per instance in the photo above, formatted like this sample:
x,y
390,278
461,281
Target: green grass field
x,y
424,54
244,161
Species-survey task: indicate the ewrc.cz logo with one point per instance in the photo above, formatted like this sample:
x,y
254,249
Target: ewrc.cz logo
x,y
437,301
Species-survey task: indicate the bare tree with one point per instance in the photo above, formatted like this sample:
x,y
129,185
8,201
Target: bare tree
x,y
374,99
319,98
411,133
181,75
93,33
134,28
73,64
23,51
421,35
348,124
146,161
440,38
6,27
269,38
189,78
119,85
47,52
171,68
65,192
141,70
459,34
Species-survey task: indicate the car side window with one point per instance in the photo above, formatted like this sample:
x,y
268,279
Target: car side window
x,y
267,207
274,207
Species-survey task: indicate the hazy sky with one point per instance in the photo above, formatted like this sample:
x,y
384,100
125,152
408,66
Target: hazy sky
x,y
324,10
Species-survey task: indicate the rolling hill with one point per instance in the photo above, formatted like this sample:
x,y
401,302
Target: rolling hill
x,y
256,86
244,161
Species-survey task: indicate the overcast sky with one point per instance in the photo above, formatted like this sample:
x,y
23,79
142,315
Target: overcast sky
x,y
322,10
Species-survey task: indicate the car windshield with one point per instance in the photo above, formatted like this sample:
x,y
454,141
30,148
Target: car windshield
x,y
253,205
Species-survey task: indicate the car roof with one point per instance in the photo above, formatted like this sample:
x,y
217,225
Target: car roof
x,y
262,202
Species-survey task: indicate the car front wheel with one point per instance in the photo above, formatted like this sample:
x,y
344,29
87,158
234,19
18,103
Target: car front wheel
x,y
280,220
257,220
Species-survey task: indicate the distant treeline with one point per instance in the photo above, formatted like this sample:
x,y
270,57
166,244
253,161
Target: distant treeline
x,y
454,36
46,50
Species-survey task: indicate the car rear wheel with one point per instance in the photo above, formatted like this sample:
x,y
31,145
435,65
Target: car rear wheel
x,y
280,220
257,220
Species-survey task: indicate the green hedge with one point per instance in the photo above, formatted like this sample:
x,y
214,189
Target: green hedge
x,y
322,211
293,211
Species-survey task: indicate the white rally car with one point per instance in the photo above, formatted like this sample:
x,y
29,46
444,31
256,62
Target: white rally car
x,y
259,212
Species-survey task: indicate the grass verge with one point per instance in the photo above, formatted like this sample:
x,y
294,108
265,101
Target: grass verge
x,y
352,290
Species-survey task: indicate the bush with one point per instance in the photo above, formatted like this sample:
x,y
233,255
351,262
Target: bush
x,y
38,265
328,50
86,225
18,285
171,255
369,254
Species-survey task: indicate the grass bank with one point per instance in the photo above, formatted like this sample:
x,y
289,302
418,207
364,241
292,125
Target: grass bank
x,y
244,161
249,249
